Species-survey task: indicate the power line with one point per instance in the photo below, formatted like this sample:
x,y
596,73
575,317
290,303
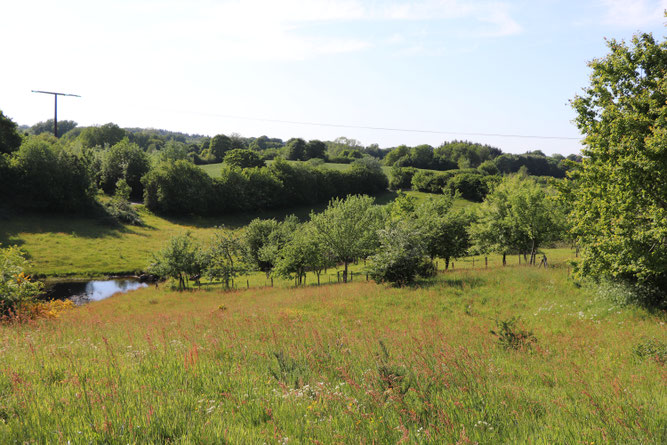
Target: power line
x,y
367,127
55,107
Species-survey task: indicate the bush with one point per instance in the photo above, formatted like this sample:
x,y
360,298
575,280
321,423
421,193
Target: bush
x,y
16,288
510,336
651,349
401,256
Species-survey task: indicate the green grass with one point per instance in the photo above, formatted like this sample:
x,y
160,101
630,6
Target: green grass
x,y
355,363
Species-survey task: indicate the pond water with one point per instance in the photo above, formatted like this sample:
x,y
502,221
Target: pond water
x,y
82,292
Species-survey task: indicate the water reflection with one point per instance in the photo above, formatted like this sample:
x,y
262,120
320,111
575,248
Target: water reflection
x,y
87,291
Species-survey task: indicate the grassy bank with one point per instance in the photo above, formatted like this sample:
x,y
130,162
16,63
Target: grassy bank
x,y
75,246
355,363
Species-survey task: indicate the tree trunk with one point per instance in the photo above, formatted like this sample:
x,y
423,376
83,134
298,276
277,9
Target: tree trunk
x,y
345,273
504,259
446,263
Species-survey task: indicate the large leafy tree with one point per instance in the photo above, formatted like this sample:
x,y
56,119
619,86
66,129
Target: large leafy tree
x,y
10,139
243,158
620,190
127,161
348,229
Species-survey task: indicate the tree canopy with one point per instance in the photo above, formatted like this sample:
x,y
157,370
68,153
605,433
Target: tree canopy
x,y
619,193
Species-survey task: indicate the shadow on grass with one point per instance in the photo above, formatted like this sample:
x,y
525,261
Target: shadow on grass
x,y
239,220
459,282
75,225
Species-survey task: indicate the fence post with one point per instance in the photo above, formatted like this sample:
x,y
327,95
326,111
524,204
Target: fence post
x,y
452,265
366,276
338,275
486,262
351,275
271,281
247,282
473,262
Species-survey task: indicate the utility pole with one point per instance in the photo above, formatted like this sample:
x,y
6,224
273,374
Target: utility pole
x,y
55,107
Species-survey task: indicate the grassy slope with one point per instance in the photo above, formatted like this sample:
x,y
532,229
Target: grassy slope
x,y
355,363
79,246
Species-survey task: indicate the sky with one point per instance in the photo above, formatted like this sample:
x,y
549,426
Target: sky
x,y
385,72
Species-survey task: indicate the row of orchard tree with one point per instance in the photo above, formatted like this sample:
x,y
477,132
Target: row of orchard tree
x,y
401,241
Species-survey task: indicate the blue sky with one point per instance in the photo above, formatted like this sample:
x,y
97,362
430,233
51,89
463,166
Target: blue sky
x,y
208,67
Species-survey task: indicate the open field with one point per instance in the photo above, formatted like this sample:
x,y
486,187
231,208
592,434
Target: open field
x,y
355,363
69,246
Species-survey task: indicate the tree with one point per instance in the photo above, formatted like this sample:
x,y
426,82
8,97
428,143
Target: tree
x,y
401,256
47,127
179,259
223,258
517,217
103,136
256,236
443,231
348,228
315,149
177,188
219,145
295,149
302,253
123,160
16,288
50,177
10,139
243,158
620,190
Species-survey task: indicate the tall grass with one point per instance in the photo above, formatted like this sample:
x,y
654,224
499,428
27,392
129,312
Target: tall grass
x,y
355,363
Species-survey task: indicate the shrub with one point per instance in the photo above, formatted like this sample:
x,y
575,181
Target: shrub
x,y
401,255
16,288
652,349
510,336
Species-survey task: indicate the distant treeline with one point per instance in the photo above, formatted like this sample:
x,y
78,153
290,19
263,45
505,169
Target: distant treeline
x,y
488,160
206,150
44,173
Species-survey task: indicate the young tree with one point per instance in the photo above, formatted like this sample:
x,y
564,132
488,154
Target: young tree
x,y
301,254
620,190
258,235
518,216
443,230
223,258
348,228
179,259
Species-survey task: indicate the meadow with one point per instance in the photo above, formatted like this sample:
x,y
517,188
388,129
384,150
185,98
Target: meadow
x,y
353,363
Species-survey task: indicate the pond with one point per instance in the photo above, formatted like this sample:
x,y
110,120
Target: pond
x,y
82,292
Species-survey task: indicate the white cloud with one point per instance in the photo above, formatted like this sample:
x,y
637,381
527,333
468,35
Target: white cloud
x,y
298,30
634,13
